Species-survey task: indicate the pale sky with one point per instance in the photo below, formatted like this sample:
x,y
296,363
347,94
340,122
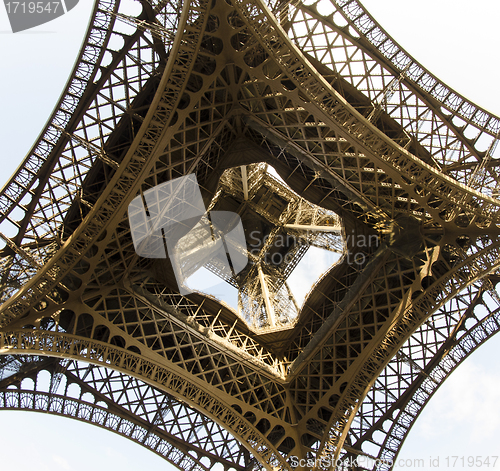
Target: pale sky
x,y
456,40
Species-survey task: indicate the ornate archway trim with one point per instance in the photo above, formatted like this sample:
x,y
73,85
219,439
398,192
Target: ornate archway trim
x,y
452,353
165,430
25,400
61,345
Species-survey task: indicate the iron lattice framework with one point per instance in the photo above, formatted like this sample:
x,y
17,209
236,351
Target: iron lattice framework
x,y
355,128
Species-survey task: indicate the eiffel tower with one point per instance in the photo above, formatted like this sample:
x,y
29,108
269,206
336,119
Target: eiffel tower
x,y
319,131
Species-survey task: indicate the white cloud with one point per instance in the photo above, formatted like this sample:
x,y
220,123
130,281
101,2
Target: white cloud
x,y
61,462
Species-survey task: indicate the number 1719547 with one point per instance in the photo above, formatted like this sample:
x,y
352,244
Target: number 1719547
x,y
32,7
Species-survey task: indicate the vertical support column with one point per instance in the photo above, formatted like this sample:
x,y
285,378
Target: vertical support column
x,y
244,180
267,300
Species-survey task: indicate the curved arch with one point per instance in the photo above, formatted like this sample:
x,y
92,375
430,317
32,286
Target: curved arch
x,y
69,346
466,346
367,377
91,54
424,368
162,425
396,85
367,26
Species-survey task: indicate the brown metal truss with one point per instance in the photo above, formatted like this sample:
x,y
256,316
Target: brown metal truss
x,y
122,404
366,143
